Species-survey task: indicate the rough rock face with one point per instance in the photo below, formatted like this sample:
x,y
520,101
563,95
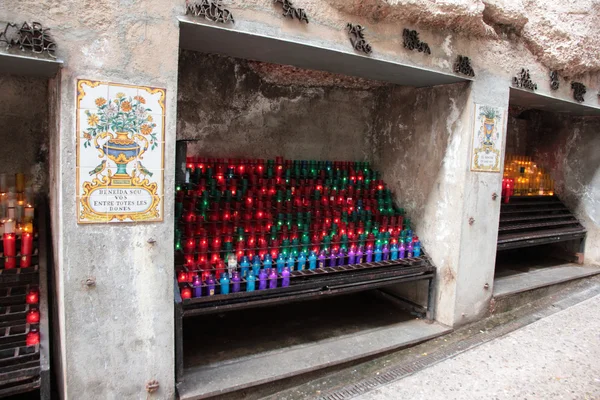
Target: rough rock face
x,y
465,15
564,35
504,15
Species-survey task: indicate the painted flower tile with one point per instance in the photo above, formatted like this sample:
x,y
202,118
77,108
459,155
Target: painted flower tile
x,y
91,94
120,152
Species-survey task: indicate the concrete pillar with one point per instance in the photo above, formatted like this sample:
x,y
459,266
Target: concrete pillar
x,y
478,241
118,335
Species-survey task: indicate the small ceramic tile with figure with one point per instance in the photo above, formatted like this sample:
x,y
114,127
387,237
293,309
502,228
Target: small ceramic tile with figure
x,y
120,152
488,131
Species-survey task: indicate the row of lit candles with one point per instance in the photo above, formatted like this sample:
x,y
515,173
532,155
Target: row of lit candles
x,y
318,231
225,283
352,182
510,188
252,242
300,217
244,166
16,210
9,242
260,217
214,256
279,170
205,197
227,221
279,160
227,211
32,298
294,203
300,262
19,184
263,235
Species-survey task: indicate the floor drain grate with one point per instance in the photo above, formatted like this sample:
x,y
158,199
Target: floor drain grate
x,y
454,349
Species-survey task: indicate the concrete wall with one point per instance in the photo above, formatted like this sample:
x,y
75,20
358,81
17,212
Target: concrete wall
x,y
419,135
24,128
229,109
477,250
118,335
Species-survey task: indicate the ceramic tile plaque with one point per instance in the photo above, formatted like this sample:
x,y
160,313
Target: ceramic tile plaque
x,y
487,138
120,152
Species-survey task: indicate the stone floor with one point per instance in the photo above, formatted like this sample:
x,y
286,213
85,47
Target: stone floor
x,y
545,348
241,350
557,357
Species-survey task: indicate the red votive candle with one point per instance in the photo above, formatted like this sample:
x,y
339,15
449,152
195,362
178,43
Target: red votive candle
x,y
10,245
190,244
33,316
26,249
32,338
186,293
190,263
33,297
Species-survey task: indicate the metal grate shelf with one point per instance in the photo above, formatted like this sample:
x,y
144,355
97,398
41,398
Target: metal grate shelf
x,y
529,221
19,276
308,284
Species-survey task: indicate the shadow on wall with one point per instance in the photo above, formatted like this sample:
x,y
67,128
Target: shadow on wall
x,y
24,128
414,130
230,111
568,147
417,136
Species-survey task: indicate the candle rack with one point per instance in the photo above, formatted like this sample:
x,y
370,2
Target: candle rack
x,y
24,349
277,227
310,284
18,273
240,223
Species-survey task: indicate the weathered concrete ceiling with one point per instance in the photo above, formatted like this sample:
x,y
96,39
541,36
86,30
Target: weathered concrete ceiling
x,y
563,34
288,75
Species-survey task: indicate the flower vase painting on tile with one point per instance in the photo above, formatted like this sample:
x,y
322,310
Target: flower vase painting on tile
x,y
120,152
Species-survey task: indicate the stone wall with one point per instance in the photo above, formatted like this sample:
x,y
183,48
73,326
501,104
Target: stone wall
x,y
24,128
228,109
516,133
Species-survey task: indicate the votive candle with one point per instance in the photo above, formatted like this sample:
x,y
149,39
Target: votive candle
x,y
10,244
20,182
26,249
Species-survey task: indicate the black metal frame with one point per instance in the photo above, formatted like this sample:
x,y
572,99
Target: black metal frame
x,y
309,285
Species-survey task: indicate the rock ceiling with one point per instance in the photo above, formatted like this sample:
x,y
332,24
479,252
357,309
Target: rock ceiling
x,y
563,34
